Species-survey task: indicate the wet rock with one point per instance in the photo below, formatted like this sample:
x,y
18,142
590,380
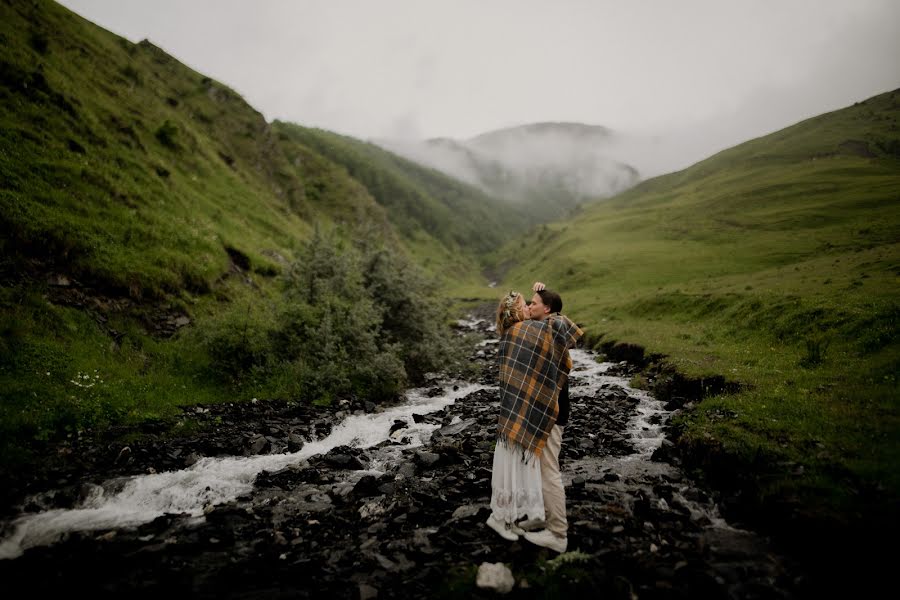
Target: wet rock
x,y
344,457
371,510
295,442
665,452
455,428
366,486
675,402
427,459
407,469
495,577
367,592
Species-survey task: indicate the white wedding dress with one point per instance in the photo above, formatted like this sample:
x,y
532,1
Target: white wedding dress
x,y
515,486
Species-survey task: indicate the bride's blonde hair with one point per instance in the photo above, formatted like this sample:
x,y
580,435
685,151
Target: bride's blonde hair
x,y
510,311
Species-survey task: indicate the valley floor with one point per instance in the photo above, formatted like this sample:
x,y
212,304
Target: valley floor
x,y
396,520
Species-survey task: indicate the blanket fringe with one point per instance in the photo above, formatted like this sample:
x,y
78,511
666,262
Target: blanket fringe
x,y
527,456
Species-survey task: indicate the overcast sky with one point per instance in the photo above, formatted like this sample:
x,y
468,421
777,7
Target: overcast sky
x,y
724,70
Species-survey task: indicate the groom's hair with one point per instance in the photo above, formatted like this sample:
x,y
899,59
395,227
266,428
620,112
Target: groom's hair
x,y
551,299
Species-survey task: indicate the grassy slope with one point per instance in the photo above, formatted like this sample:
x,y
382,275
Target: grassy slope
x,y
85,116
749,265
88,183
145,182
425,205
91,191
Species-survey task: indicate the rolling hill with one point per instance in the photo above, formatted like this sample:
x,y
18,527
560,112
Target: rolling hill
x,y
767,278
105,131
155,228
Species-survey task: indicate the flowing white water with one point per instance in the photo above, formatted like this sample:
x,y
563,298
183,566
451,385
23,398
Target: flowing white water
x,y
129,502
645,430
587,378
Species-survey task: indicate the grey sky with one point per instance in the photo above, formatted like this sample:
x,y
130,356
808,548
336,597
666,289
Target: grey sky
x,y
719,71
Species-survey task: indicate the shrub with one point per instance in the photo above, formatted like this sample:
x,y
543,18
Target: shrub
x,y
816,345
351,322
132,74
412,317
167,134
39,42
237,341
332,327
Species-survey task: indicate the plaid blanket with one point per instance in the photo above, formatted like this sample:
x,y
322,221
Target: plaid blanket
x,y
533,360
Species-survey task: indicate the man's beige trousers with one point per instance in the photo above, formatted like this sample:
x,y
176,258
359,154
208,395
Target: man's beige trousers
x,y
551,484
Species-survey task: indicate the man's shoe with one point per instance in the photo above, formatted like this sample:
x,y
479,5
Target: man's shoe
x,y
547,539
532,524
502,528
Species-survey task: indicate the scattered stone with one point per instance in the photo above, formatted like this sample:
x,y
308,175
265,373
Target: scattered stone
x,y
258,444
467,510
427,459
450,430
317,529
496,577
366,486
367,592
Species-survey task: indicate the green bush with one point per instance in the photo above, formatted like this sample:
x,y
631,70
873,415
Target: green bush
x,y
331,327
816,345
237,340
167,134
412,316
351,321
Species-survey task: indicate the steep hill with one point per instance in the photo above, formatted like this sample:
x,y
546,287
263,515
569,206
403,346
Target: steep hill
x,y
162,244
419,201
774,266
546,169
105,131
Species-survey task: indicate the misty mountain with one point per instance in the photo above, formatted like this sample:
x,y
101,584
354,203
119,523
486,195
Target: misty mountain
x,y
546,168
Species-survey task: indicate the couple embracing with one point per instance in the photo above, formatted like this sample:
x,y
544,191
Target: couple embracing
x,y
526,487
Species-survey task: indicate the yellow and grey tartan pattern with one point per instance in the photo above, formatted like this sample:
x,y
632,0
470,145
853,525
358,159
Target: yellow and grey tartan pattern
x,y
533,357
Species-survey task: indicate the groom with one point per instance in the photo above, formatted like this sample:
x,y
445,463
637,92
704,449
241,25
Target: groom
x,y
546,305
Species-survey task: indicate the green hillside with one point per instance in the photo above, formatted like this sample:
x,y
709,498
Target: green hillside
x,y
774,264
145,172
420,202
163,245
